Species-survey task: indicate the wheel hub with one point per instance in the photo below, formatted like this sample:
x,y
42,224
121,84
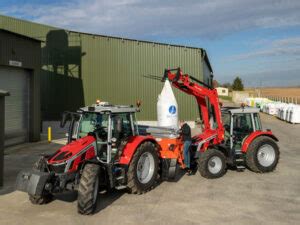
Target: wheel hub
x,y
266,155
215,165
145,168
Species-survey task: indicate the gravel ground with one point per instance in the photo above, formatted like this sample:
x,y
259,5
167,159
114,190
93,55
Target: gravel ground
x,y
237,198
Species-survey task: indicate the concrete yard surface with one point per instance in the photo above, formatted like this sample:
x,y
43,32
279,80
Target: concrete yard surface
x,y
237,198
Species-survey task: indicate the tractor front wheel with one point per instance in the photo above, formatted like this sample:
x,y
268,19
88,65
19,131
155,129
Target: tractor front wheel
x,y
262,155
212,164
88,189
143,170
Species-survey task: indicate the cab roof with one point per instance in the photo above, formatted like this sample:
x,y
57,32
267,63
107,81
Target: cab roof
x,y
234,110
106,107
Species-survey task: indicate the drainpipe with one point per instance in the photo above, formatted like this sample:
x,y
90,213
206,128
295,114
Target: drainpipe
x,y
2,122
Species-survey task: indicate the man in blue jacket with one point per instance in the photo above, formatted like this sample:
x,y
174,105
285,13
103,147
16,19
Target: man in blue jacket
x,y
187,139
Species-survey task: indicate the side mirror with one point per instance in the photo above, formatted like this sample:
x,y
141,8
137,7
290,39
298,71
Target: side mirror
x,y
65,118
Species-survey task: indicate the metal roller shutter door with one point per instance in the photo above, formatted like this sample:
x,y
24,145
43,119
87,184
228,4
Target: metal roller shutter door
x,y
16,81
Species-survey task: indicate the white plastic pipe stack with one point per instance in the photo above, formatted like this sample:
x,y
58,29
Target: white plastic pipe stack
x,y
167,108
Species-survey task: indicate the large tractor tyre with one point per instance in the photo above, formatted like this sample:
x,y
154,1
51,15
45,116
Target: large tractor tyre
x,y
262,155
169,169
45,197
88,189
142,173
173,171
212,164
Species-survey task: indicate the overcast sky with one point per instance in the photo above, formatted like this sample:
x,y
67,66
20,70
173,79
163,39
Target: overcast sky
x,y
258,40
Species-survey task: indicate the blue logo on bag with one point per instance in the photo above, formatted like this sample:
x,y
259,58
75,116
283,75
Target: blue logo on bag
x,y
172,109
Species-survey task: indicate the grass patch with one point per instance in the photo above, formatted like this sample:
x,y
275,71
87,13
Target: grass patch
x,y
226,98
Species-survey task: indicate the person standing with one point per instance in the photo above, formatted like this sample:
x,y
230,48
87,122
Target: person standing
x,y
187,139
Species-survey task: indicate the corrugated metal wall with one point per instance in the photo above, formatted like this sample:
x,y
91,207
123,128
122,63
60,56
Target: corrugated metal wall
x,y
80,68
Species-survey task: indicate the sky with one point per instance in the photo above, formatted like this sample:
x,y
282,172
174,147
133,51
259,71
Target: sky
x,y
258,40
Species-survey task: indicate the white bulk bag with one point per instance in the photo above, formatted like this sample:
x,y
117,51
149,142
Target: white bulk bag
x,y
167,108
272,110
248,101
284,110
280,109
295,114
289,112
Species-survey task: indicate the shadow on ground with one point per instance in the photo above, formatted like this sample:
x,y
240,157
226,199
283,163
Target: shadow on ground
x,y
22,157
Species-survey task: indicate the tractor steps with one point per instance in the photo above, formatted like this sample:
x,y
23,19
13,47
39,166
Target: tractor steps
x,y
120,187
239,160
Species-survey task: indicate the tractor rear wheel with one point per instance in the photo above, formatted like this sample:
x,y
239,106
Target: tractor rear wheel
x,y
88,189
262,155
45,197
143,170
212,164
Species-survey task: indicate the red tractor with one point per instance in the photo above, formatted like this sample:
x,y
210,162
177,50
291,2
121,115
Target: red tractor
x,y
231,136
106,148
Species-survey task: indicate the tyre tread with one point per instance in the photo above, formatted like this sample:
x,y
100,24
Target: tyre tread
x,y
85,204
132,185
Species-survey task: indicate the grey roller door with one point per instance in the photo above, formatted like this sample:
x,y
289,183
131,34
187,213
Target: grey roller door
x,y
16,81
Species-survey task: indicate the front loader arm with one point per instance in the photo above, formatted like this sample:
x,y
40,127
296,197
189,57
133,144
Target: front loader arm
x,y
202,92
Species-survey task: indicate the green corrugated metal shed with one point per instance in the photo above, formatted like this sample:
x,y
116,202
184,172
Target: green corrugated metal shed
x,y
78,68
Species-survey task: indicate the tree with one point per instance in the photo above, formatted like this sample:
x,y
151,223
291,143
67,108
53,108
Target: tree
x,y
227,85
237,84
215,83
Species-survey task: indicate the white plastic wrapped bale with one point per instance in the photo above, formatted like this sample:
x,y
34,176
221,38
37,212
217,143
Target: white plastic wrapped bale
x,y
167,108
295,114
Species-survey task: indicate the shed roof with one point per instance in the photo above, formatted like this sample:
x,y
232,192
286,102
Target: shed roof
x,y
21,35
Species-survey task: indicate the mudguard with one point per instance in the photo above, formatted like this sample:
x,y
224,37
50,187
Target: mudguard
x,y
32,181
131,146
254,135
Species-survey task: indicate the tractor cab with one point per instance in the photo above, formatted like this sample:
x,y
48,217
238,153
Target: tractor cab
x,y
111,125
239,123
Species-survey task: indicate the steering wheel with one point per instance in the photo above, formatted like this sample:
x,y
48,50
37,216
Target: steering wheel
x,y
101,132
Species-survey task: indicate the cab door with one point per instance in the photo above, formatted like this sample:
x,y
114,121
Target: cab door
x,y
73,119
242,126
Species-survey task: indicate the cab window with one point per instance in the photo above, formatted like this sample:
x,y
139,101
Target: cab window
x,y
242,122
257,121
121,125
90,121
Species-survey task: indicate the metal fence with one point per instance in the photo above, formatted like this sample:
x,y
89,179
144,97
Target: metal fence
x,y
285,99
